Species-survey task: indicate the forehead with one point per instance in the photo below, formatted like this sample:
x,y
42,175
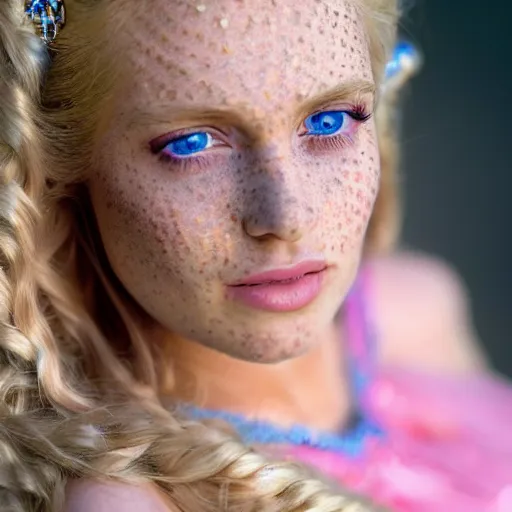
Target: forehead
x,y
244,50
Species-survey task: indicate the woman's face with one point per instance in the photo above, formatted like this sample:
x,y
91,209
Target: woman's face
x,y
241,143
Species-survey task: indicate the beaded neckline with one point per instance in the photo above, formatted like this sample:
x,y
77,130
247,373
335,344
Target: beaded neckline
x,y
351,443
361,355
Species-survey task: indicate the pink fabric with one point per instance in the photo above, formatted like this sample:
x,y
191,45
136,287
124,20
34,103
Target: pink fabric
x,y
448,446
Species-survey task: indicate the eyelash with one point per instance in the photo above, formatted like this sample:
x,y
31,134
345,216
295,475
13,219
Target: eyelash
x,y
357,113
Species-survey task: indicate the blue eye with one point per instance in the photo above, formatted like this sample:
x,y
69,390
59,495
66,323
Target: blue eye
x,y
326,123
189,144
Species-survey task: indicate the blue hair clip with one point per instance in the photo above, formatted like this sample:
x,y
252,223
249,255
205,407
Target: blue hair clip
x,y
48,15
404,62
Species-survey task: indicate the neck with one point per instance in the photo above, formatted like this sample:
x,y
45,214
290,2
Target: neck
x,y
310,390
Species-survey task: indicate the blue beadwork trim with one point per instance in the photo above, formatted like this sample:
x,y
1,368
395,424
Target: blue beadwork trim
x,y
350,443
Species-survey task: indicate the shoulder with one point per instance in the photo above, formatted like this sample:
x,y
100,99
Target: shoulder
x,y
92,496
422,313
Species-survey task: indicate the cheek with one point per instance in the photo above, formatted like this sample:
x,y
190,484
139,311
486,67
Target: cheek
x,y
361,184
350,195
169,228
130,221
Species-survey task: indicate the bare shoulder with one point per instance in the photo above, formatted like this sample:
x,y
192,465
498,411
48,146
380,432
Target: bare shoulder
x,y
92,496
422,313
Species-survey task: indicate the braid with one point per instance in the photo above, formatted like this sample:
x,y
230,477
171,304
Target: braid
x,y
178,456
21,65
22,62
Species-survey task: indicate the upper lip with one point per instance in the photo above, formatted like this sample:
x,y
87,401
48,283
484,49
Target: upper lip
x,y
283,274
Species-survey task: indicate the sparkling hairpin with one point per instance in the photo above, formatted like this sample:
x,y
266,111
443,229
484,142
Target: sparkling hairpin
x,y
49,17
404,63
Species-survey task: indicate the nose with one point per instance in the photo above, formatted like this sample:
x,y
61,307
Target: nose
x,y
277,204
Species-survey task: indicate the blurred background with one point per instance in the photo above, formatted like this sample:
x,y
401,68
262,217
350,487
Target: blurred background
x,y
457,136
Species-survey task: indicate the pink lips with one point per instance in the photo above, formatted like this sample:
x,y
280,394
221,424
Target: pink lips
x,y
280,290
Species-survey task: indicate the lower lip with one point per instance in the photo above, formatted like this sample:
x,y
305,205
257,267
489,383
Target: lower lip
x,y
280,296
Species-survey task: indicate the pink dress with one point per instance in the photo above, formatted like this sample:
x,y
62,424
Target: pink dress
x,y
423,443
447,443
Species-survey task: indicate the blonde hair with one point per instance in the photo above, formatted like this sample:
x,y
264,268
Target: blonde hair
x,y
59,418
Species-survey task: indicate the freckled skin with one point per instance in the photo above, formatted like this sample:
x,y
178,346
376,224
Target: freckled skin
x,y
176,236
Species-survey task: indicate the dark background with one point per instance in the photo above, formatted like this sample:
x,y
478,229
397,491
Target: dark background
x,y
457,138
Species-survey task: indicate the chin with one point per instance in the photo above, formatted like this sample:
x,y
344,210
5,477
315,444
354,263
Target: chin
x,y
272,339
272,346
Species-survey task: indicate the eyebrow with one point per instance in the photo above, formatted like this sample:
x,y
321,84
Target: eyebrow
x,y
351,91
176,117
